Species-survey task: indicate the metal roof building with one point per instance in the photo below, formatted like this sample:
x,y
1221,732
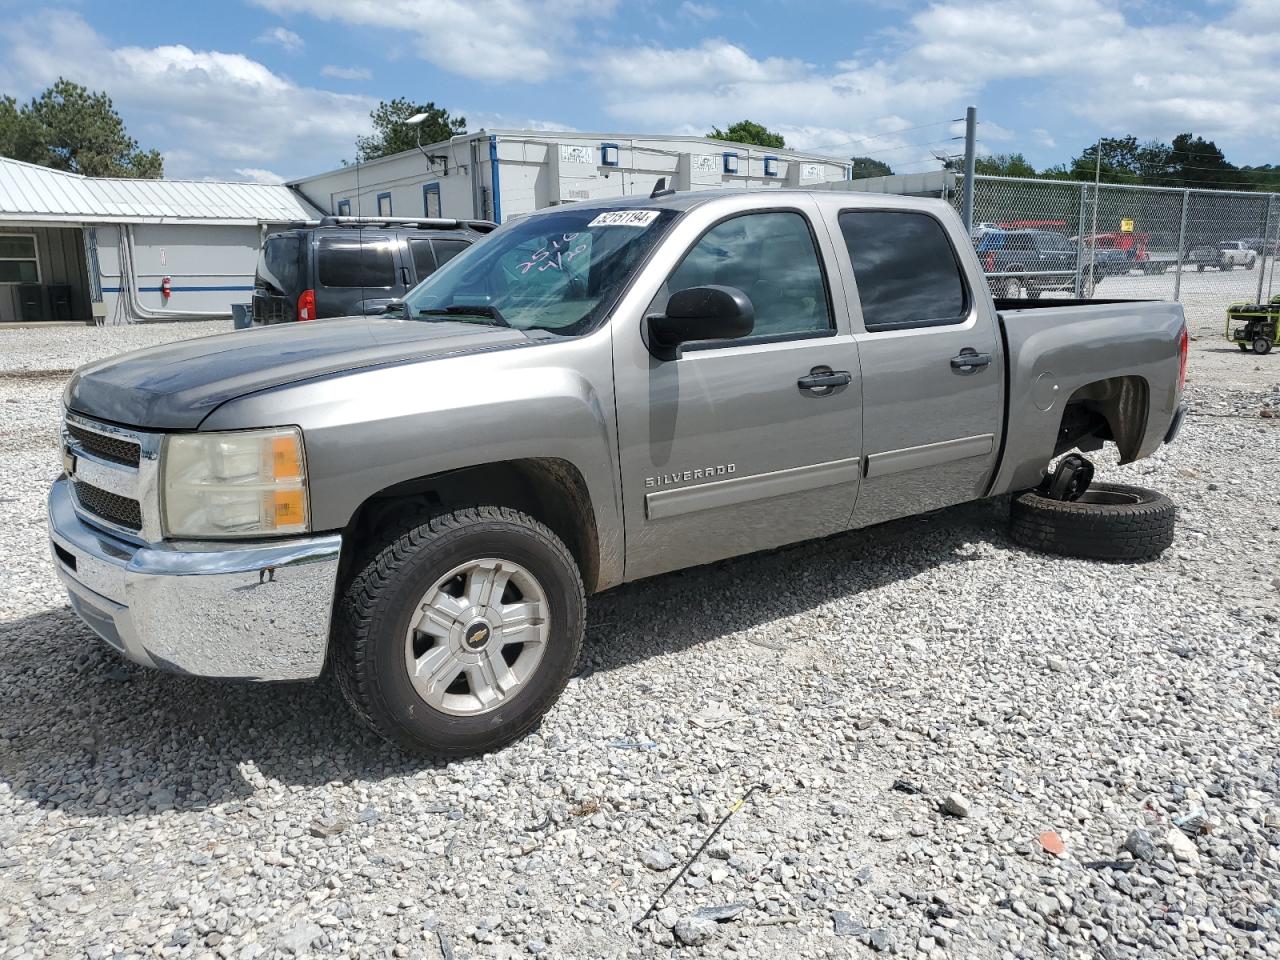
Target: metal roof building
x,y
112,249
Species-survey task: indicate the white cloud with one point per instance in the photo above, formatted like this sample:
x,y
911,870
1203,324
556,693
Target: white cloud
x,y
346,73
1063,60
698,11
258,175
718,82
483,39
282,38
1084,57
209,112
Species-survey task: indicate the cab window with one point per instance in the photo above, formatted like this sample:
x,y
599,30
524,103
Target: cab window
x,y
771,257
905,268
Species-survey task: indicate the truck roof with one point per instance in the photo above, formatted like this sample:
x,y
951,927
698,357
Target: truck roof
x,y
687,200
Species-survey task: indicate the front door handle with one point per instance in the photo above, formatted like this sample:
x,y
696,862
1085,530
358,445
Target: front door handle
x,y
824,380
970,360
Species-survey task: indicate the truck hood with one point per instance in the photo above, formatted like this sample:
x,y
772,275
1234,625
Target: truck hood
x,y
177,385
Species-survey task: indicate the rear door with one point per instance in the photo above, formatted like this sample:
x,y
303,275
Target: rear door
x,y
932,369
357,272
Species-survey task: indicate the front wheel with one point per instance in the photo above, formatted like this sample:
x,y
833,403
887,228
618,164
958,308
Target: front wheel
x,y
1261,345
462,632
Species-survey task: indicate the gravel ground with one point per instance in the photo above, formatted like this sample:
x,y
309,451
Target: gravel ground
x,y
965,749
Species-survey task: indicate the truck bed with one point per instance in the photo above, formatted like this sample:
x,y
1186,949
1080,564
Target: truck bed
x,y
1057,349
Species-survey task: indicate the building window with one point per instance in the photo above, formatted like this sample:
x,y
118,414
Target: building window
x,y
431,200
730,163
770,166
384,204
344,208
18,260
609,156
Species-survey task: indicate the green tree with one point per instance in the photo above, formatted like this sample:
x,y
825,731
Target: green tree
x,y
748,131
1196,162
393,134
69,127
862,167
1004,165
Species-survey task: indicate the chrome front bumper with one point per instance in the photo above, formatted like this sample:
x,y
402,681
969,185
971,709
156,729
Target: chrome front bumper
x,y
251,611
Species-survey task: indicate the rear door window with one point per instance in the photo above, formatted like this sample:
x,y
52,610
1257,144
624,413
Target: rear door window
x,y
424,258
279,264
356,262
446,250
905,268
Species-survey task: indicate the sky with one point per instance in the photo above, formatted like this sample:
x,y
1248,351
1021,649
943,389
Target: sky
x,y
275,89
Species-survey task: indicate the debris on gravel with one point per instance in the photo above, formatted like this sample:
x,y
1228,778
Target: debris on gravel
x,y
146,815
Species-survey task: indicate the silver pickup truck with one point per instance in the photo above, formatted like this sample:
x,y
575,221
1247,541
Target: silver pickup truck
x,y
594,394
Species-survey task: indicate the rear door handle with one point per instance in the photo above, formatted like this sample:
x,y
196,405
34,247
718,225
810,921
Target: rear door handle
x,y
970,360
823,380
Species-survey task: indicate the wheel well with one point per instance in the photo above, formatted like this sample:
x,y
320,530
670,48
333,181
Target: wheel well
x,y
550,490
1114,409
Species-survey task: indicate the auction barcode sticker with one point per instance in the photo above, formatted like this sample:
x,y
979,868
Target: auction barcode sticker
x,y
625,218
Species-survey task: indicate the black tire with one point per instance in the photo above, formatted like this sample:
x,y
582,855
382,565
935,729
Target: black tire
x,y
373,619
1110,522
1261,346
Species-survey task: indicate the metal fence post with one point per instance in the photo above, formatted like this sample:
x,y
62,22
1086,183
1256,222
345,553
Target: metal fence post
x,y
1079,286
1182,244
970,152
1266,230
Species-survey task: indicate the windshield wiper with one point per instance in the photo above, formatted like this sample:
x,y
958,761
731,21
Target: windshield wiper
x,y
467,310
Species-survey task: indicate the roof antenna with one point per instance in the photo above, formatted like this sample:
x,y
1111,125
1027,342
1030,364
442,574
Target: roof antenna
x,y
660,189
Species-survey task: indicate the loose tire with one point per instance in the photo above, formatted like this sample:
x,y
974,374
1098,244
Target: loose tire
x,y
1261,345
461,633
1110,522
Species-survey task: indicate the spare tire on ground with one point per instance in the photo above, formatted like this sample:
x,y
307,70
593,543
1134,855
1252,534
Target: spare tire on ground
x,y
1110,521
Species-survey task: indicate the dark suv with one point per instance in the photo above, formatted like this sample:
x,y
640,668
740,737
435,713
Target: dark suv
x,y
348,266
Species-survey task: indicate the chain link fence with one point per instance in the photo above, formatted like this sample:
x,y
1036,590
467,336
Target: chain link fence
x,y
1058,238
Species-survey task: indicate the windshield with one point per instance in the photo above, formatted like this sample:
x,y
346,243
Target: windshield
x,y
559,272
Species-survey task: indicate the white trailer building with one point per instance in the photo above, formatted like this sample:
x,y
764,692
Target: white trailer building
x,y
119,250
499,174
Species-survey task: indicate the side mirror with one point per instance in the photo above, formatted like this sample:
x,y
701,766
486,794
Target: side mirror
x,y
699,313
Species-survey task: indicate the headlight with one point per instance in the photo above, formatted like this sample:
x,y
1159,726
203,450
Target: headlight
x,y
245,484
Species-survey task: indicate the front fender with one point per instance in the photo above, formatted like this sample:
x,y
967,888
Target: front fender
x,y
368,430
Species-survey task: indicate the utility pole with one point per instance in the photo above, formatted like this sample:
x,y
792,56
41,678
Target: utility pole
x,y
970,151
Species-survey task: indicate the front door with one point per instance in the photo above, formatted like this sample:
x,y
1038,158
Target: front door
x,y
932,368
735,446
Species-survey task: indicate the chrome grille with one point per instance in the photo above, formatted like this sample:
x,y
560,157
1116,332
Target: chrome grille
x,y
111,507
112,448
115,473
